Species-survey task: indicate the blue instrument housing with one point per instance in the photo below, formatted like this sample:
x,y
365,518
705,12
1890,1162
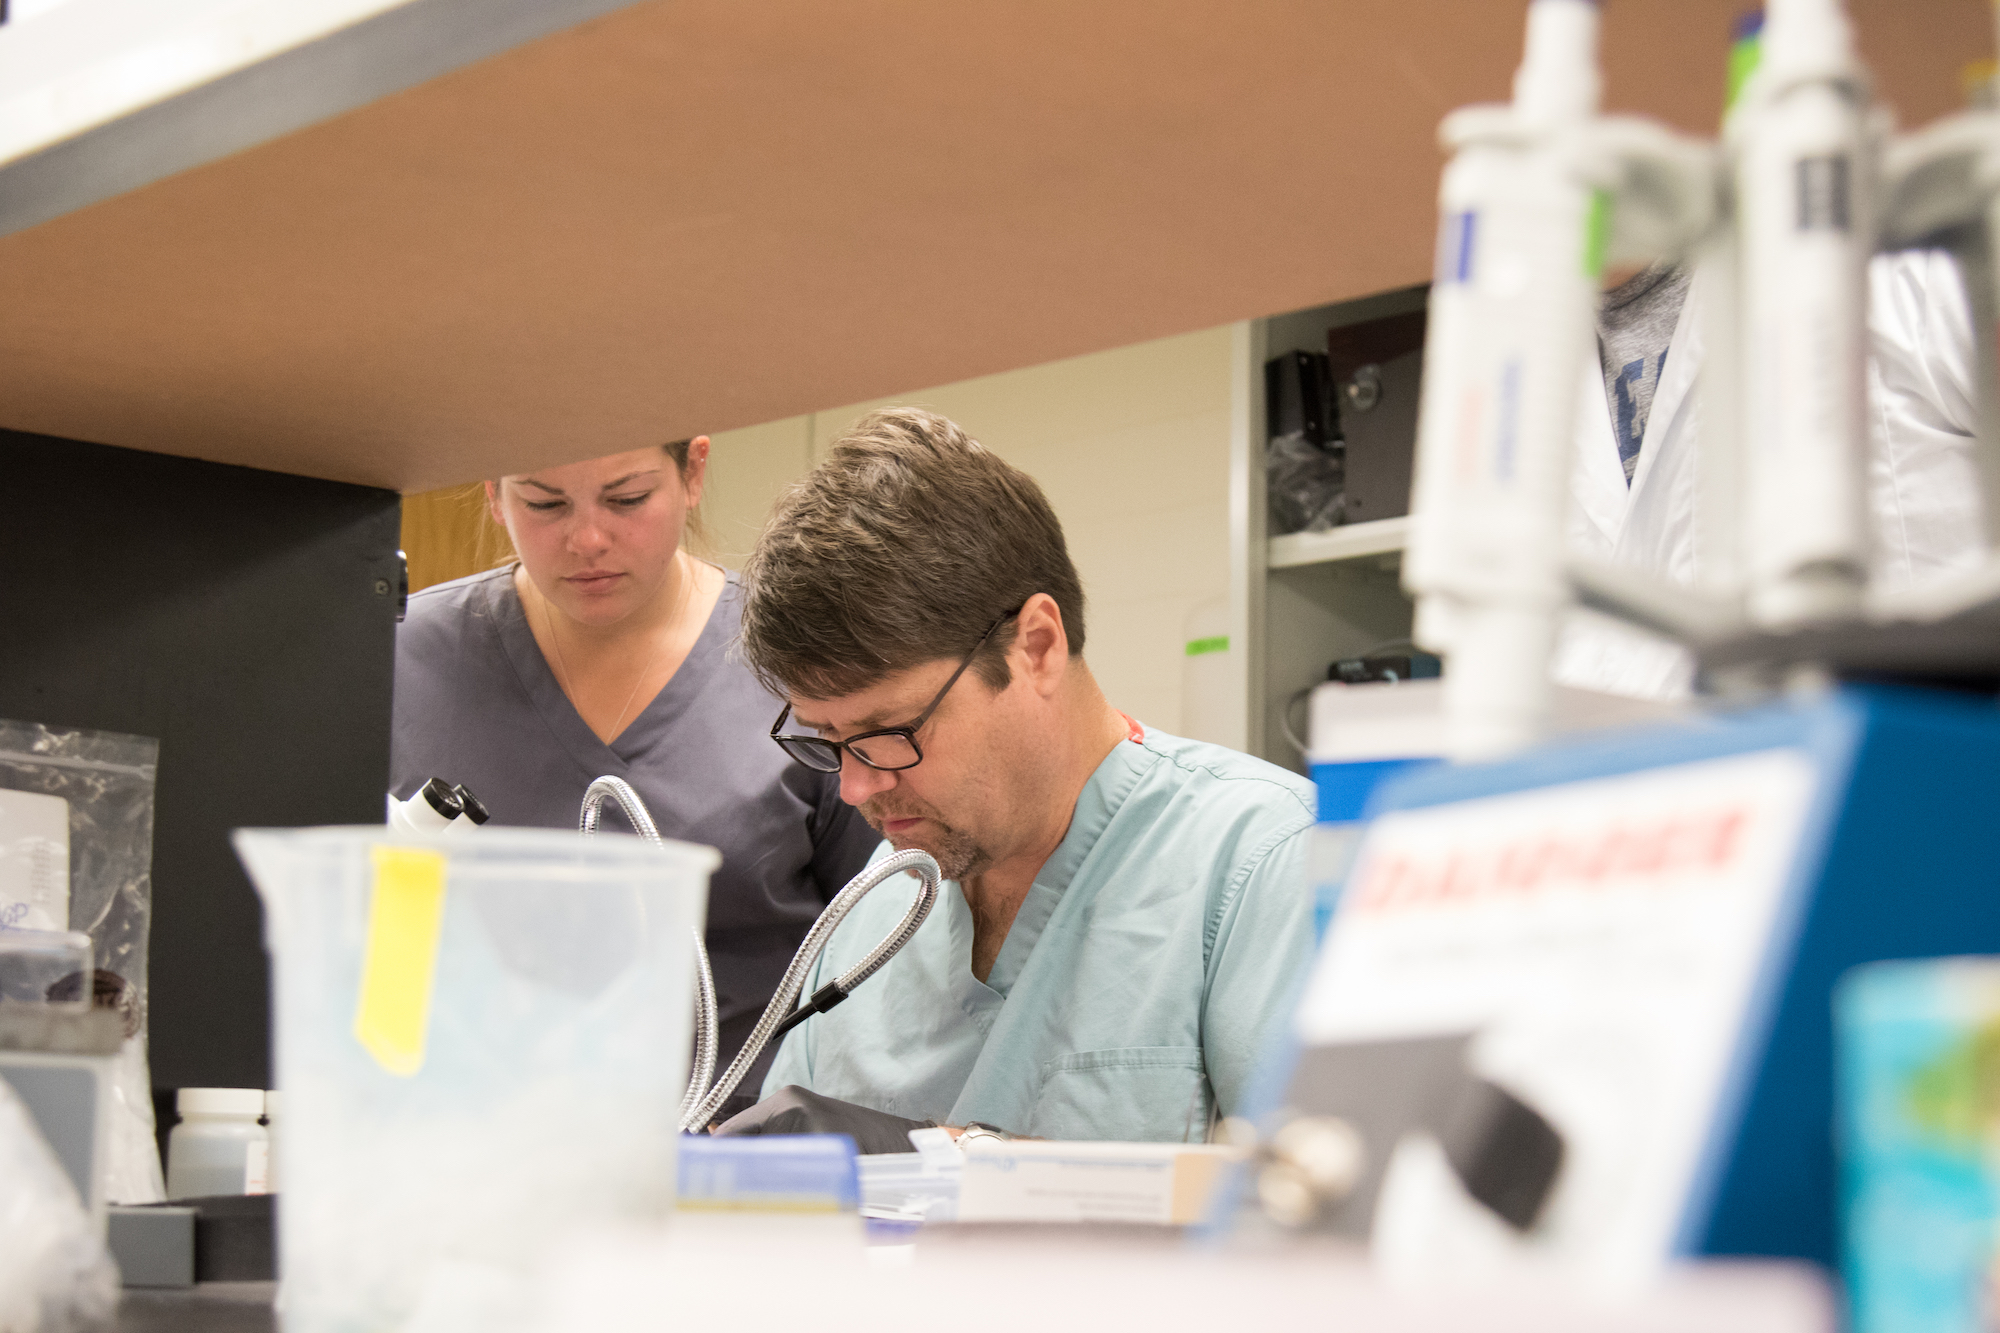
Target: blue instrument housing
x,y
1899,858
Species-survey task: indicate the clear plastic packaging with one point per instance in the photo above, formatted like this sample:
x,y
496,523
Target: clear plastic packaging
x,y
1305,483
76,853
910,1186
46,967
55,1276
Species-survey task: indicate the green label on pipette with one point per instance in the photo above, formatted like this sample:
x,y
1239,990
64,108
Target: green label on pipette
x,y
1744,54
1597,234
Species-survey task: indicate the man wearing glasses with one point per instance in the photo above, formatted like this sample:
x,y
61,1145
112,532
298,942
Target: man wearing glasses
x,y
1128,917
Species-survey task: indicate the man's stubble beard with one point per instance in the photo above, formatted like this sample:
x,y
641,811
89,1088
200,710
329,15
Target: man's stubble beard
x,y
955,851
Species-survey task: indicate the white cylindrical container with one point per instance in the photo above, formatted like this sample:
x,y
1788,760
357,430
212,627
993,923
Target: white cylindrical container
x,y
210,1150
1497,696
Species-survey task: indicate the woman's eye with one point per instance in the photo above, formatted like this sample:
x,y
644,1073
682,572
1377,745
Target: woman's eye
x,y
543,506
629,501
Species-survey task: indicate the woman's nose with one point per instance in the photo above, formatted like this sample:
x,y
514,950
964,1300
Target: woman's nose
x,y
587,536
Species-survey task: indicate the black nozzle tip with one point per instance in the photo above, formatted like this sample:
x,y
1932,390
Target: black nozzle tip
x,y
475,810
442,797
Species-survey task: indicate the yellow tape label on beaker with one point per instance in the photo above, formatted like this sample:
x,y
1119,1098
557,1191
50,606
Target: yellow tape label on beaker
x,y
405,915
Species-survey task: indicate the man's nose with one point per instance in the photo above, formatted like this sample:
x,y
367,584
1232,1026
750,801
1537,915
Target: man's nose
x,y
858,782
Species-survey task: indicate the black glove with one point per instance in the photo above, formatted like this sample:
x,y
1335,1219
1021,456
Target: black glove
x,y
795,1110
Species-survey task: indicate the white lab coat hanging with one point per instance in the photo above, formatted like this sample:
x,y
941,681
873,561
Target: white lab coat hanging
x,y
1923,487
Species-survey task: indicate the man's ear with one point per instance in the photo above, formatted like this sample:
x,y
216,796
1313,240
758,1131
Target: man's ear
x,y
1040,650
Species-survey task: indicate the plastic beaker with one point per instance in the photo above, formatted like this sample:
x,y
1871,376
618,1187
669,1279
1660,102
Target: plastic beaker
x,y
482,1044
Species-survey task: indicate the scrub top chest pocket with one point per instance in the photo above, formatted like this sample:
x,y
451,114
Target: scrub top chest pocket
x,y
1163,1091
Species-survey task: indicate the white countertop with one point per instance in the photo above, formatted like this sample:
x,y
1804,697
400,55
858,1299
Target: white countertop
x,y
748,1271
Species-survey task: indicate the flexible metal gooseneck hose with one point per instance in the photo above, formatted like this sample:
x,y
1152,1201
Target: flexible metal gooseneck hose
x,y
780,1015
707,1025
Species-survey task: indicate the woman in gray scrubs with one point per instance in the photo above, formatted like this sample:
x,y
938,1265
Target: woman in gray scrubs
x,y
604,649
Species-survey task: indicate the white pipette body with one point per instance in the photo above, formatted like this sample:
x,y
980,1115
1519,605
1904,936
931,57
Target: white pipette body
x,y
1805,178
1520,246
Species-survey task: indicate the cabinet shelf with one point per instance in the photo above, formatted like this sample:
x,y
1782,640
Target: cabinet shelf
x,y
1348,542
1305,599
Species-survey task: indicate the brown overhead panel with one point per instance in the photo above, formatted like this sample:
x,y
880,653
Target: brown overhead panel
x,y
690,215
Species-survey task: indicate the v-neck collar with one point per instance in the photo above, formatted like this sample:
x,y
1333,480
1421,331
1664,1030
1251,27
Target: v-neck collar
x,y
1102,796
559,715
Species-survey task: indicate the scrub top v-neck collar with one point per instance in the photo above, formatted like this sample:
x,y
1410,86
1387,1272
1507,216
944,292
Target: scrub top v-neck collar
x,y
565,724
1108,786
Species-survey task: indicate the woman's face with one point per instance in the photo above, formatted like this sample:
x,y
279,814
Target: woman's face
x,y
597,539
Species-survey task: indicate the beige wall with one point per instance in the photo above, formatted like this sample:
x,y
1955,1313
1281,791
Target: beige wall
x,y
746,470
1132,447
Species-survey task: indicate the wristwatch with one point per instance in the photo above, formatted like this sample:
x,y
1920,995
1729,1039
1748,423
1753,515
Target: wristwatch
x,y
975,1130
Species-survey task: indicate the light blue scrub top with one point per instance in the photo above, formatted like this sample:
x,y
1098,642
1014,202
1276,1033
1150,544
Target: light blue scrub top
x,y
1147,969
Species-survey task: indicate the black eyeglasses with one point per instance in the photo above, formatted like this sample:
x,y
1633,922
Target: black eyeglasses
x,y
892,748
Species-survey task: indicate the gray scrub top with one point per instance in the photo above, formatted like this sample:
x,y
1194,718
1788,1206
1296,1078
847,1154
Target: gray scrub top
x,y
476,703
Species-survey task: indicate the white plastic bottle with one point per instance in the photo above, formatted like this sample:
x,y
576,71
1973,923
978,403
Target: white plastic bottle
x,y
208,1152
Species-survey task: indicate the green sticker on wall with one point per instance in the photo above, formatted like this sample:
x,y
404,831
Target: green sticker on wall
x,y
1218,643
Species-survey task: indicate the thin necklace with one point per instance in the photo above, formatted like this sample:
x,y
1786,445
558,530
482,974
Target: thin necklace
x,y
562,667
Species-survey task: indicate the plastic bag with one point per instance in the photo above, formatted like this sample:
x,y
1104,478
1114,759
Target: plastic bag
x,y
76,853
1305,483
54,1274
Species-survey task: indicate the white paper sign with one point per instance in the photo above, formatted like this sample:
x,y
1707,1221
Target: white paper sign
x,y
1603,939
34,861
